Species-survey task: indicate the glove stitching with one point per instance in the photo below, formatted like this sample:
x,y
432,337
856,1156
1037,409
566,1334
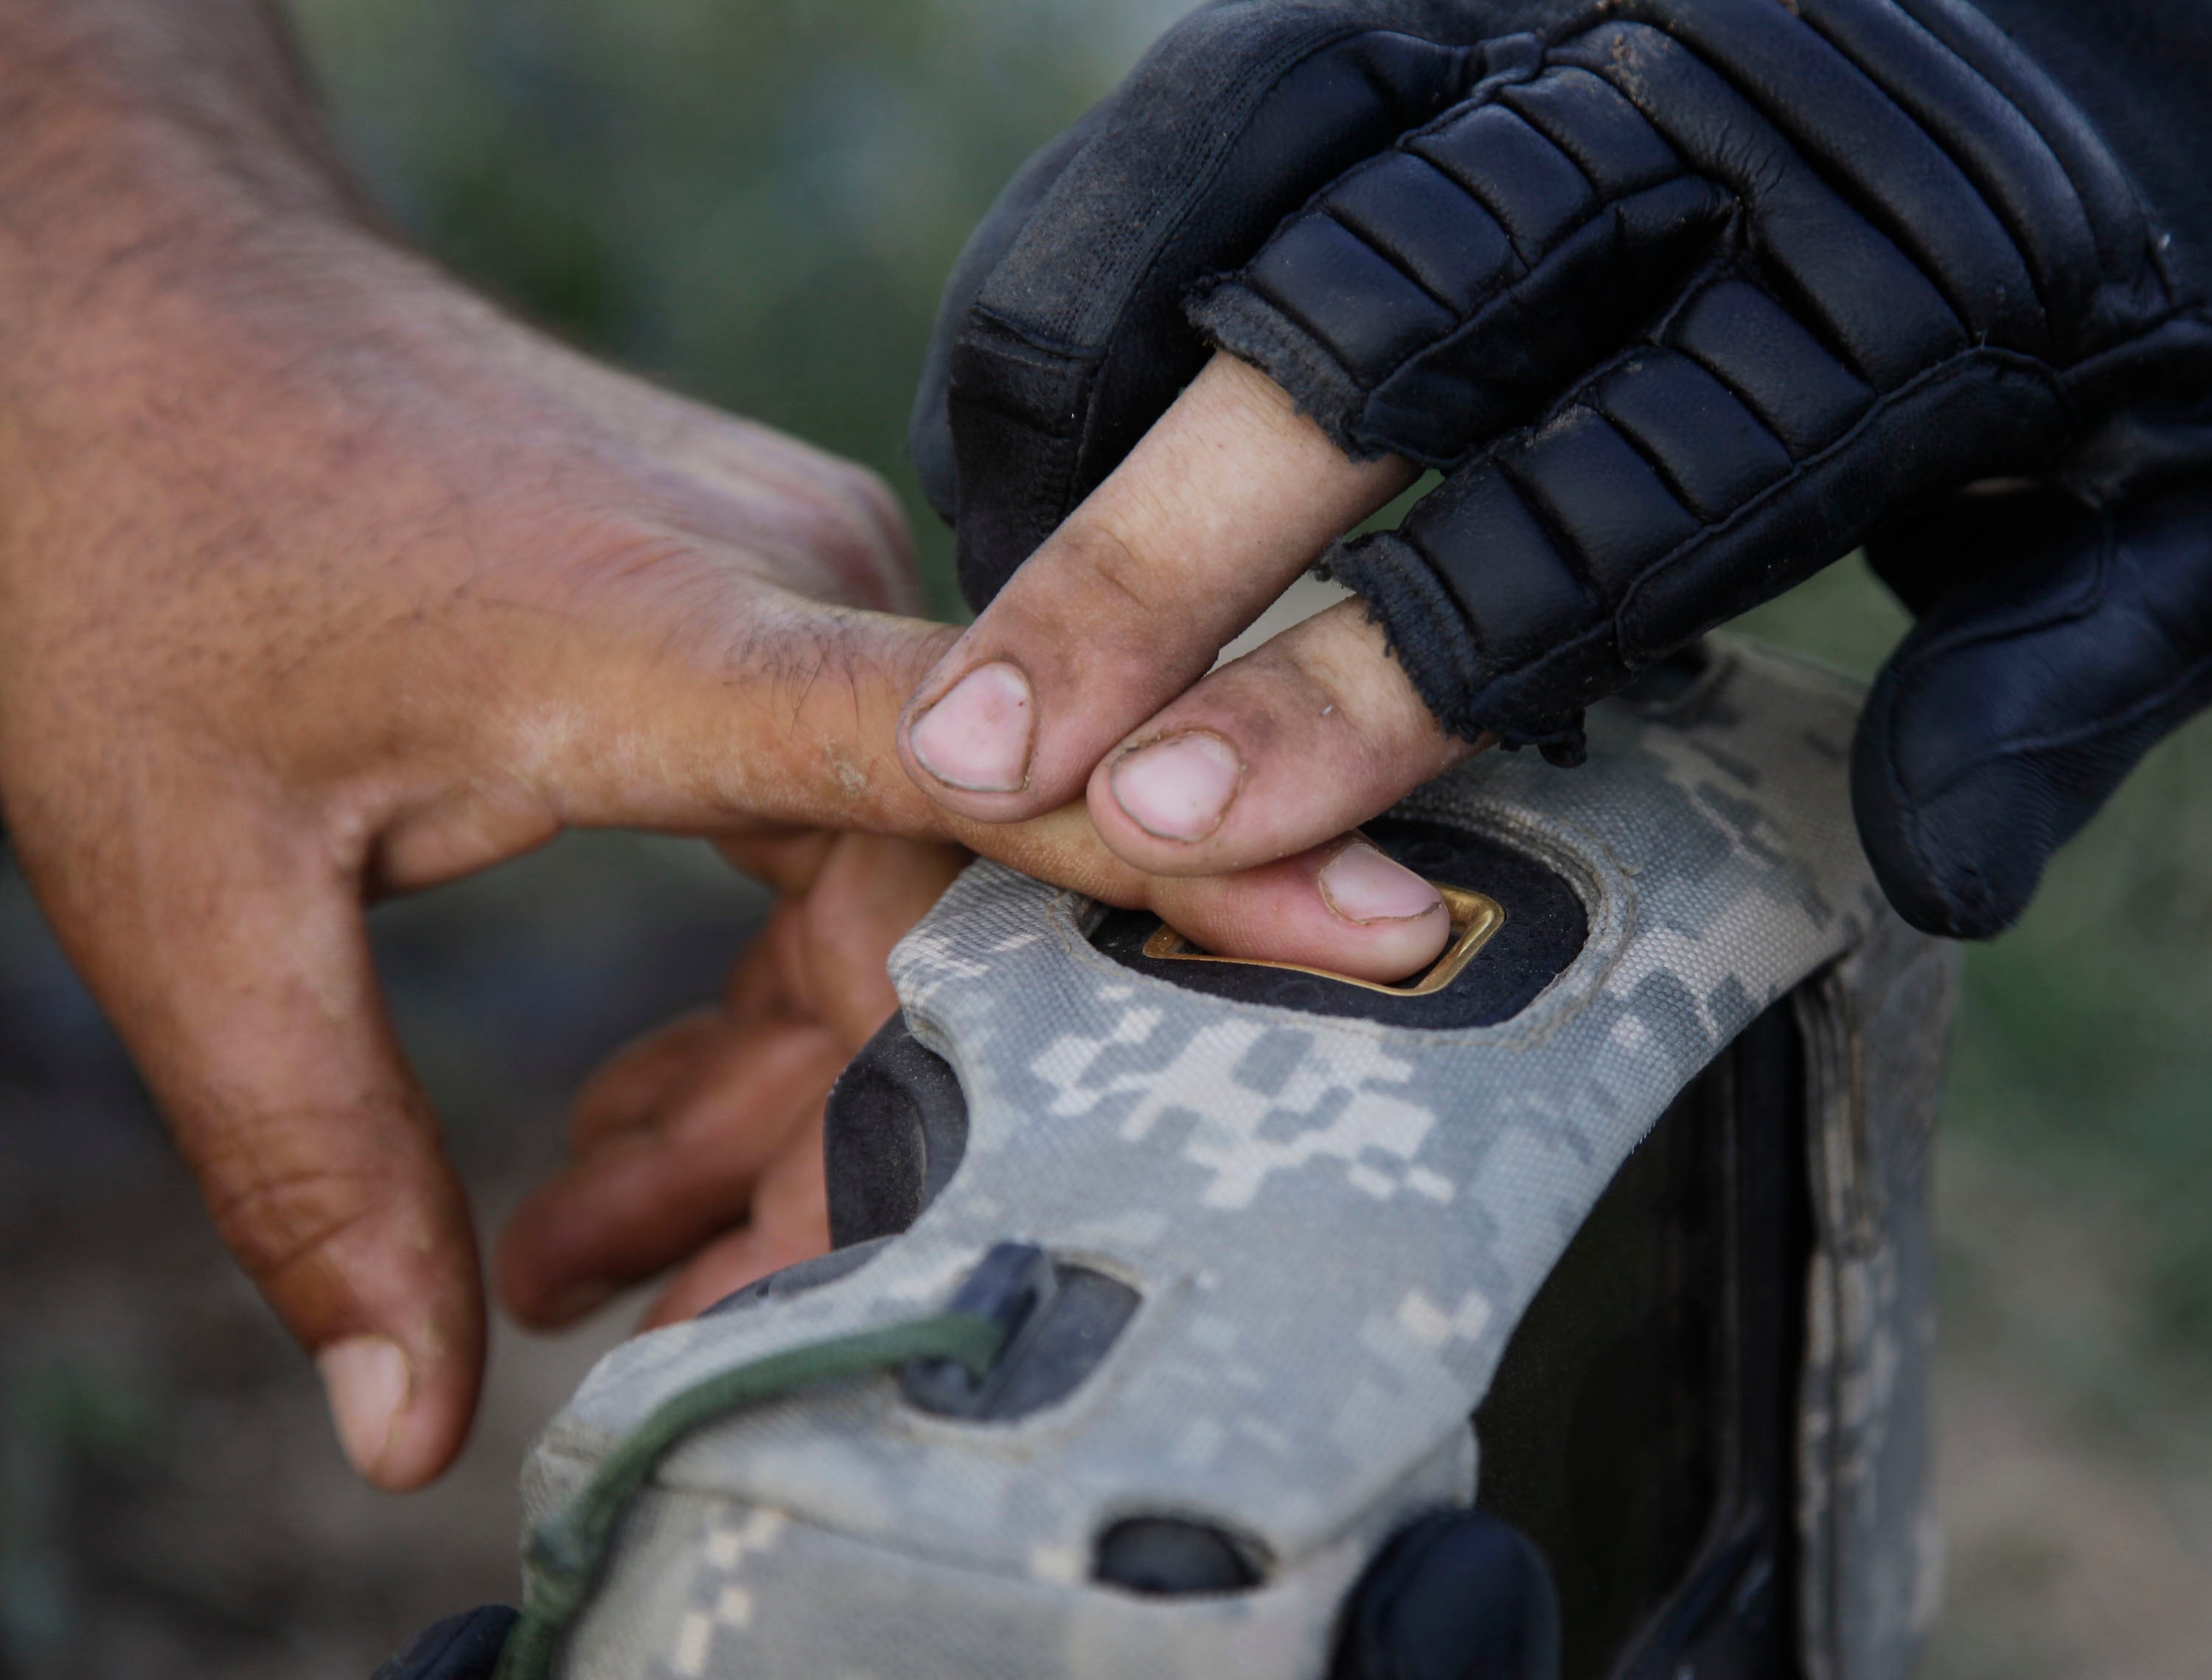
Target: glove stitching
x,y
1572,558
1063,427
1372,438
1964,891
1330,212
1484,92
1910,676
2094,597
1954,367
1603,205
2056,119
1462,716
1483,321
1366,437
1873,217
1898,230
1659,469
1999,361
1483,96
1219,288
2091,596
1971,894
1488,97
2141,711
2087,369
2157,709
1936,46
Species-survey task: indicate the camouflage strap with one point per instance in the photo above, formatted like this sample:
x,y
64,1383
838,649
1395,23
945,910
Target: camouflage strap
x,y
567,1553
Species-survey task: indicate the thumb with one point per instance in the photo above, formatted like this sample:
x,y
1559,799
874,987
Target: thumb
x,y
244,988
2072,640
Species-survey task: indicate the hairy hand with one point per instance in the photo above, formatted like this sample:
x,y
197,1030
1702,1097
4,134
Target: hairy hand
x,y
339,585
321,580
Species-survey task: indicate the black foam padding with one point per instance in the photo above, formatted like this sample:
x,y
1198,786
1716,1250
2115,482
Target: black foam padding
x,y
1458,1595
896,1128
461,1648
1545,928
1171,1557
1086,1316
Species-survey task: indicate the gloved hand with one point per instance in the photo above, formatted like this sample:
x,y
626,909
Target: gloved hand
x,y
1687,298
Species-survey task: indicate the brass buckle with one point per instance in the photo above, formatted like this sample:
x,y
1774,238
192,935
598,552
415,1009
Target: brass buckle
x,y
1475,918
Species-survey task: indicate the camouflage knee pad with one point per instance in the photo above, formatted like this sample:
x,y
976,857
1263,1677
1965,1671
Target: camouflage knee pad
x,y
1639,1189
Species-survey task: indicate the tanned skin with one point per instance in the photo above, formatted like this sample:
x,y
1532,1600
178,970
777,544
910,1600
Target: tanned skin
x,y
320,579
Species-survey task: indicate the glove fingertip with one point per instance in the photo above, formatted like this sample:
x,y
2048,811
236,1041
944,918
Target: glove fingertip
x,y
2025,699
1964,862
462,1647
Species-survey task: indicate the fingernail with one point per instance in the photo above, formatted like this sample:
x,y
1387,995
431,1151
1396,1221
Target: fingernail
x,y
368,1382
1179,789
1363,885
977,737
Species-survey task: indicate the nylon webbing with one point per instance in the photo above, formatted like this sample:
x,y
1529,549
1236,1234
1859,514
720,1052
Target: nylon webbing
x,y
568,1552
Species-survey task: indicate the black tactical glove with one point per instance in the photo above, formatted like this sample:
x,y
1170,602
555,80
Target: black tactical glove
x,y
461,1648
1688,298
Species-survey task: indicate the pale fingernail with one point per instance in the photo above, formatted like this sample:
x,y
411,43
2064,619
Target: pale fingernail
x,y
1361,885
368,1382
977,737
1179,789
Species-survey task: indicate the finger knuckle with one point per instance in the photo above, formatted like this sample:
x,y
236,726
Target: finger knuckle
x,y
286,1193
1110,570
283,1220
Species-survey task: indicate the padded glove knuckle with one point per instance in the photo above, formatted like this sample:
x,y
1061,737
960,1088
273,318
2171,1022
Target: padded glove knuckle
x,y
1721,282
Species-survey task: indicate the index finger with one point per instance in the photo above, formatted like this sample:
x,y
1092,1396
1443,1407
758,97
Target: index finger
x,y
1215,512
795,726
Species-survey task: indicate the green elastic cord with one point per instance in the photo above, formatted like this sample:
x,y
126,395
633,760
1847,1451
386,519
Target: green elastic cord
x,y
568,1552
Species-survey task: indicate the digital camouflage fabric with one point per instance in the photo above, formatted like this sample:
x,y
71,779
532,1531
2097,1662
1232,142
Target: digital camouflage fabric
x,y
1334,1225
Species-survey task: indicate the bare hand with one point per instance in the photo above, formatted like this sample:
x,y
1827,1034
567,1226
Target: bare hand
x,y
700,1146
320,579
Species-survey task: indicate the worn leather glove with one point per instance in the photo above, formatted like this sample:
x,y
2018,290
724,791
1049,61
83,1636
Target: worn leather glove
x,y
1687,298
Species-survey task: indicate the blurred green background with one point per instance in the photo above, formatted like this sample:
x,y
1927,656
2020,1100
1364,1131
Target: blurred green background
x,y
755,201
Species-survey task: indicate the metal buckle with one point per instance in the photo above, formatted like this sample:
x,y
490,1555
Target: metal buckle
x,y
1475,918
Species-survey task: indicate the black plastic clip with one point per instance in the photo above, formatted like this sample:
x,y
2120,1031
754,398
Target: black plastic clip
x,y
1011,1286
